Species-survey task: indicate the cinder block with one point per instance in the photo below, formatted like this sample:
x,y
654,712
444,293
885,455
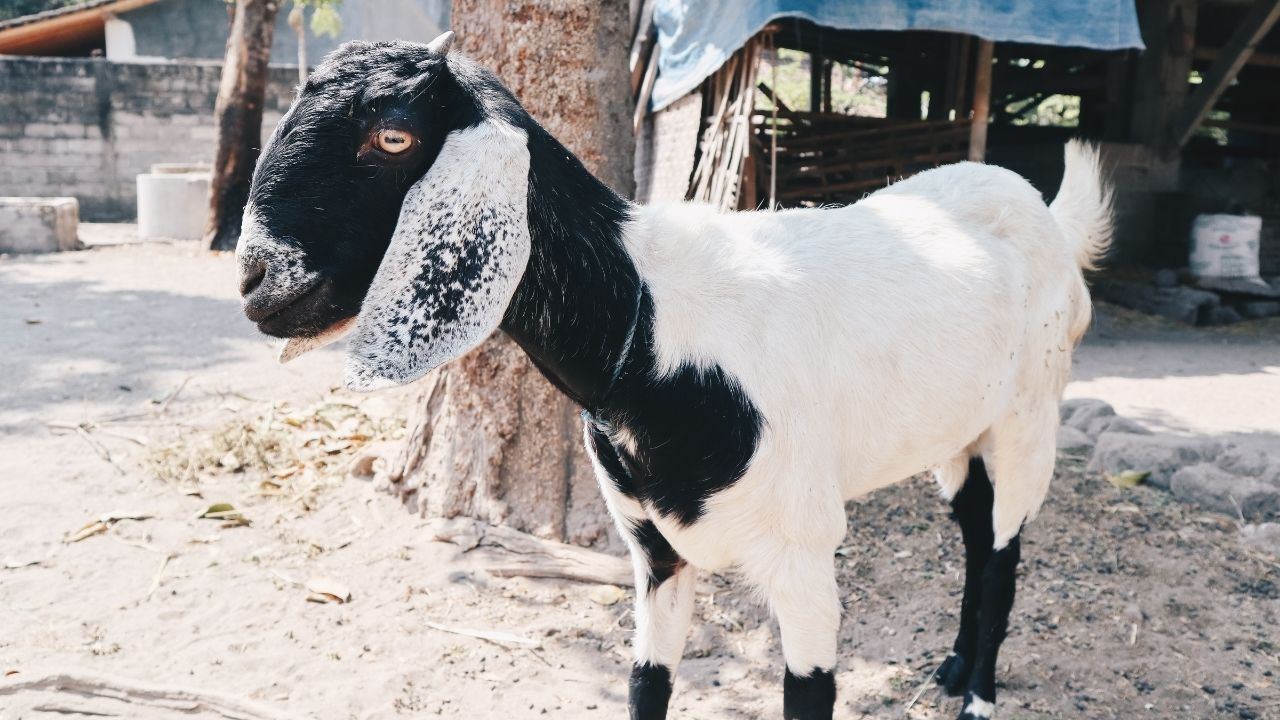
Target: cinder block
x,y
36,224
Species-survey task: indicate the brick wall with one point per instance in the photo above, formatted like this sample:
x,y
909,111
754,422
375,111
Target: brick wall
x,y
88,127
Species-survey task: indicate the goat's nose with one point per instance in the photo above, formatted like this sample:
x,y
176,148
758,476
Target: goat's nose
x,y
251,274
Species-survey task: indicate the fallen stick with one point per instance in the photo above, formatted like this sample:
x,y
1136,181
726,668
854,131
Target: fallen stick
x,y
93,684
494,636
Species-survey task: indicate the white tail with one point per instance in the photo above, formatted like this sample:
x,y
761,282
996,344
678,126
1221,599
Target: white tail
x,y
1082,208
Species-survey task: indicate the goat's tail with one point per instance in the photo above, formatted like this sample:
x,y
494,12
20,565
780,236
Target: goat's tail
x,y
1082,208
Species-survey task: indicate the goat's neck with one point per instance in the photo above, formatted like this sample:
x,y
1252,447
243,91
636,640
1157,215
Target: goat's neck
x,y
577,304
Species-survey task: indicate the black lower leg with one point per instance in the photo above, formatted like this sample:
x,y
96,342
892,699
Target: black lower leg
x,y
809,697
971,508
650,692
998,584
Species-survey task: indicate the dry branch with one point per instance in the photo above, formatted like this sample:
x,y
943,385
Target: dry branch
x,y
97,685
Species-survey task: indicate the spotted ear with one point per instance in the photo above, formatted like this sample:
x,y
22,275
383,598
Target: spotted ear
x,y
459,250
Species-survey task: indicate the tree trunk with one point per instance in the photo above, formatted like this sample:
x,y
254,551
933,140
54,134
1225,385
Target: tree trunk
x,y
492,439
238,115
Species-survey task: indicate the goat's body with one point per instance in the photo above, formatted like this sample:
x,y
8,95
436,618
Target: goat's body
x,y
904,333
743,373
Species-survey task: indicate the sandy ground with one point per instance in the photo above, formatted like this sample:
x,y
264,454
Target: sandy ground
x,y
1129,605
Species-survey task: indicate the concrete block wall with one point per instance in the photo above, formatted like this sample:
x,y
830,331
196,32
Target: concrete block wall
x,y
86,127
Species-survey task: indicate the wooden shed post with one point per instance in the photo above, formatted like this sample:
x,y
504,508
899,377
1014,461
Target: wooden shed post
x,y
981,101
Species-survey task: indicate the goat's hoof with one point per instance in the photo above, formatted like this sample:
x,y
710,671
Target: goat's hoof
x,y
975,708
953,675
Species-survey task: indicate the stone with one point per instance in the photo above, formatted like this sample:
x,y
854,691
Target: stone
x,y
1114,423
1159,455
1262,536
1073,440
1078,413
1182,304
1166,278
1224,315
39,224
1244,461
1260,309
1216,489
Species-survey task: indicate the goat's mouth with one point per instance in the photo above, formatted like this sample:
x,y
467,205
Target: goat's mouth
x,y
308,313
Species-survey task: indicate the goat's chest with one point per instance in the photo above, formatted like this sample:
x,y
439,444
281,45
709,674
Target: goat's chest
x,y
671,444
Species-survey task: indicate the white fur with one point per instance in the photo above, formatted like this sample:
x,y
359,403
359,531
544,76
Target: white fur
x,y
979,708
474,198
932,321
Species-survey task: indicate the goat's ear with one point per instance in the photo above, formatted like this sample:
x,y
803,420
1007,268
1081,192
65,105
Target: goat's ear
x,y
457,254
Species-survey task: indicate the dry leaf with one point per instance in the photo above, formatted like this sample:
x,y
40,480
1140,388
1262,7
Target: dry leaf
x,y
606,594
362,466
1127,479
225,512
327,590
267,487
93,528
231,462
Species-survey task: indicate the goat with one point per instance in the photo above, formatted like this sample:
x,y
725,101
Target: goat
x,y
742,374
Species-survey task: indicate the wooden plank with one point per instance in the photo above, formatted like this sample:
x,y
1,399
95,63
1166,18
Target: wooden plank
x,y
646,89
982,100
1256,24
1258,59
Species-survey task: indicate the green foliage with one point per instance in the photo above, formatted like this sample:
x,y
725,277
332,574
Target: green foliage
x,y
325,20
10,9
854,91
1051,111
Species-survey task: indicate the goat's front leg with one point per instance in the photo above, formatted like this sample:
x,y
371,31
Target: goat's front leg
x,y
801,586
664,607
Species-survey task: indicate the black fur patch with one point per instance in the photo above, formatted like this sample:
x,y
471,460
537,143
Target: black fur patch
x,y
809,698
971,508
664,561
650,692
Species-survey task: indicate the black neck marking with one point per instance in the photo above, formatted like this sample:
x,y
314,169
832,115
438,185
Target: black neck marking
x,y
586,319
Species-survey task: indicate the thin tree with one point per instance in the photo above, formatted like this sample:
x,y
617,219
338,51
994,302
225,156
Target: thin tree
x,y
241,95
491,438
238,118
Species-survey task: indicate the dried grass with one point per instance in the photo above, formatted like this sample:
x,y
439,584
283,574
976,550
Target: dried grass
x,y
287,451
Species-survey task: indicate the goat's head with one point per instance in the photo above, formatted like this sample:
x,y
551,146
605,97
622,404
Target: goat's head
x,y
390,194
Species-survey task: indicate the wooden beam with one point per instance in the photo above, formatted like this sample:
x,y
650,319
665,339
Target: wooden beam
x,y
981,101
1258,59
1160,83
1233,56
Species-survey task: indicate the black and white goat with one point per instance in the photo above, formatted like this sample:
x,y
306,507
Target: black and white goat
x,y
743,374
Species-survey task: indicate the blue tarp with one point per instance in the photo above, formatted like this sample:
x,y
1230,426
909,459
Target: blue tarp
x,y
697,36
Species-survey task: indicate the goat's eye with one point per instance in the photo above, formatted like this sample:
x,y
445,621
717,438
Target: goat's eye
x,y
392,142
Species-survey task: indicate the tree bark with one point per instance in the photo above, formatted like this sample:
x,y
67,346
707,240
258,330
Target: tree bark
x,y
492,439
238,118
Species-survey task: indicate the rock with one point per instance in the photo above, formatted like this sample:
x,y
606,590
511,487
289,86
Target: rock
x,y
1114,423
1262,536
1224,315
39,224
1160,455
1183,304
1244,461
1075,406
1260,309
1166,278
1085,414
1073,440
1216,489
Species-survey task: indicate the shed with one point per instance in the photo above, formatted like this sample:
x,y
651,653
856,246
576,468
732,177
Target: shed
x,y
805,102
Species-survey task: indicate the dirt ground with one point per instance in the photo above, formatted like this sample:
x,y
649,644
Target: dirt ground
x,y
1129,604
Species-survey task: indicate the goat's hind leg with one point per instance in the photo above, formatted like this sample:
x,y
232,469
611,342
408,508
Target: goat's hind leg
x,y
971,509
